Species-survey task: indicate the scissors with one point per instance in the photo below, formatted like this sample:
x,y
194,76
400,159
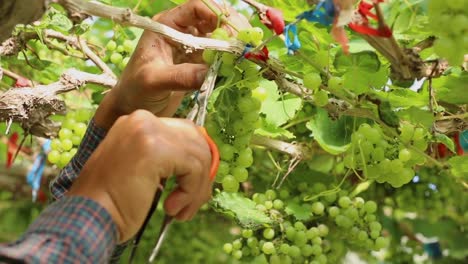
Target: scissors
x,y
198,115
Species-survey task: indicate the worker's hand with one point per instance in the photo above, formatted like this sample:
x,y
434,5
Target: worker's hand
x,y
124,172
161,71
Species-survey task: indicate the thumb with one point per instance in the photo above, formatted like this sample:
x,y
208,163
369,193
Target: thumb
x,y
182,77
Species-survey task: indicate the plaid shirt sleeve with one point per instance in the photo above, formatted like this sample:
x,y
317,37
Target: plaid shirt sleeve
x,y
71,230
60,185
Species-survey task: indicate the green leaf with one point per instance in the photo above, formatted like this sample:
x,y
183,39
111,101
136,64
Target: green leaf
x,y
362,61
417,115
401,97
300,212
452,89
278,110
240,208
60,22
273,131
448,142
333,136
459,166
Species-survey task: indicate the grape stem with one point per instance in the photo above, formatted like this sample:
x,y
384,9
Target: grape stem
x,y
293,150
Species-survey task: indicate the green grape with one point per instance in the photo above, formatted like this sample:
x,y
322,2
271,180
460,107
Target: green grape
x,y
116,58
404,155
226,152
268,205
374,234
418,134
312,233
278,204
256,35
244,35
220,33
291,233
76,140
270,194
73,151
333,211
260,93
300,239
321,98
237,254
335,83
312,81
362,235
370,207
228,248
241,174
294,251
247,233
209,56
223,168
120,49
65,133
230,184
375,226
268,233
53,156
124,63
55,144
237,244
245,158
252,242
343,221
80,129
318,208
306,250
284,248
316,249
381,242
323,230
111,45
128,46
68,123
268,248
299,226
67,144
82,115
344,202
65,158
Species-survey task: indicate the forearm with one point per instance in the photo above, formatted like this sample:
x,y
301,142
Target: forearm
x,y
71,230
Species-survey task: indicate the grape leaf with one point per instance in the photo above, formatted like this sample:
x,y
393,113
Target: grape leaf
x,y
270,130
448,142
300,212
417,115
240,208
459,166
366,61
452,89
333,136
280,112
400,97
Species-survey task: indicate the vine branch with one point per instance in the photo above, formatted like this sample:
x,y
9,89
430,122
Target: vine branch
x,y
293,150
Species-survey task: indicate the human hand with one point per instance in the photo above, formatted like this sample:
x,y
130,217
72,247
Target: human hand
x,y
160,71
124,172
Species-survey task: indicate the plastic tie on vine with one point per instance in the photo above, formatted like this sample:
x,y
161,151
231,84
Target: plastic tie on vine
x,y
34,176
293,44
11,149
463,141
362,24
271,17
261,55
324,13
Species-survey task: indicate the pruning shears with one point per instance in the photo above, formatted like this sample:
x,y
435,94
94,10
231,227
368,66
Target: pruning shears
x,y
198,115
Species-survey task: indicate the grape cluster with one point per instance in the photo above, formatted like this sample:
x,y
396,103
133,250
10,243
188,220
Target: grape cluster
x,y
69,137
433,195
119,54
386,160
336,221
449,22
236,111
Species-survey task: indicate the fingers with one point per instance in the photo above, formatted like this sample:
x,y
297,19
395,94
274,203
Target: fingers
x,y
194,13
192,168
179,77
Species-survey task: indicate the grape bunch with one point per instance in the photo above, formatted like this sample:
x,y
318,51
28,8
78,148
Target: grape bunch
x,y
119,54
235,113
449,22
69,137
386,160
335,221
433,195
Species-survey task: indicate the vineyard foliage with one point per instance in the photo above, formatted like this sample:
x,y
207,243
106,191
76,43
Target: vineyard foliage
x,y
336,138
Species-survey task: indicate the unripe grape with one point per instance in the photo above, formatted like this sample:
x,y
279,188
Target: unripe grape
x,y
370,207
247,233
65,133
278,204
268,233
128,46
318,208
116,58
53,156
344,202
111,45
312,81
230,184
67,144
227,248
